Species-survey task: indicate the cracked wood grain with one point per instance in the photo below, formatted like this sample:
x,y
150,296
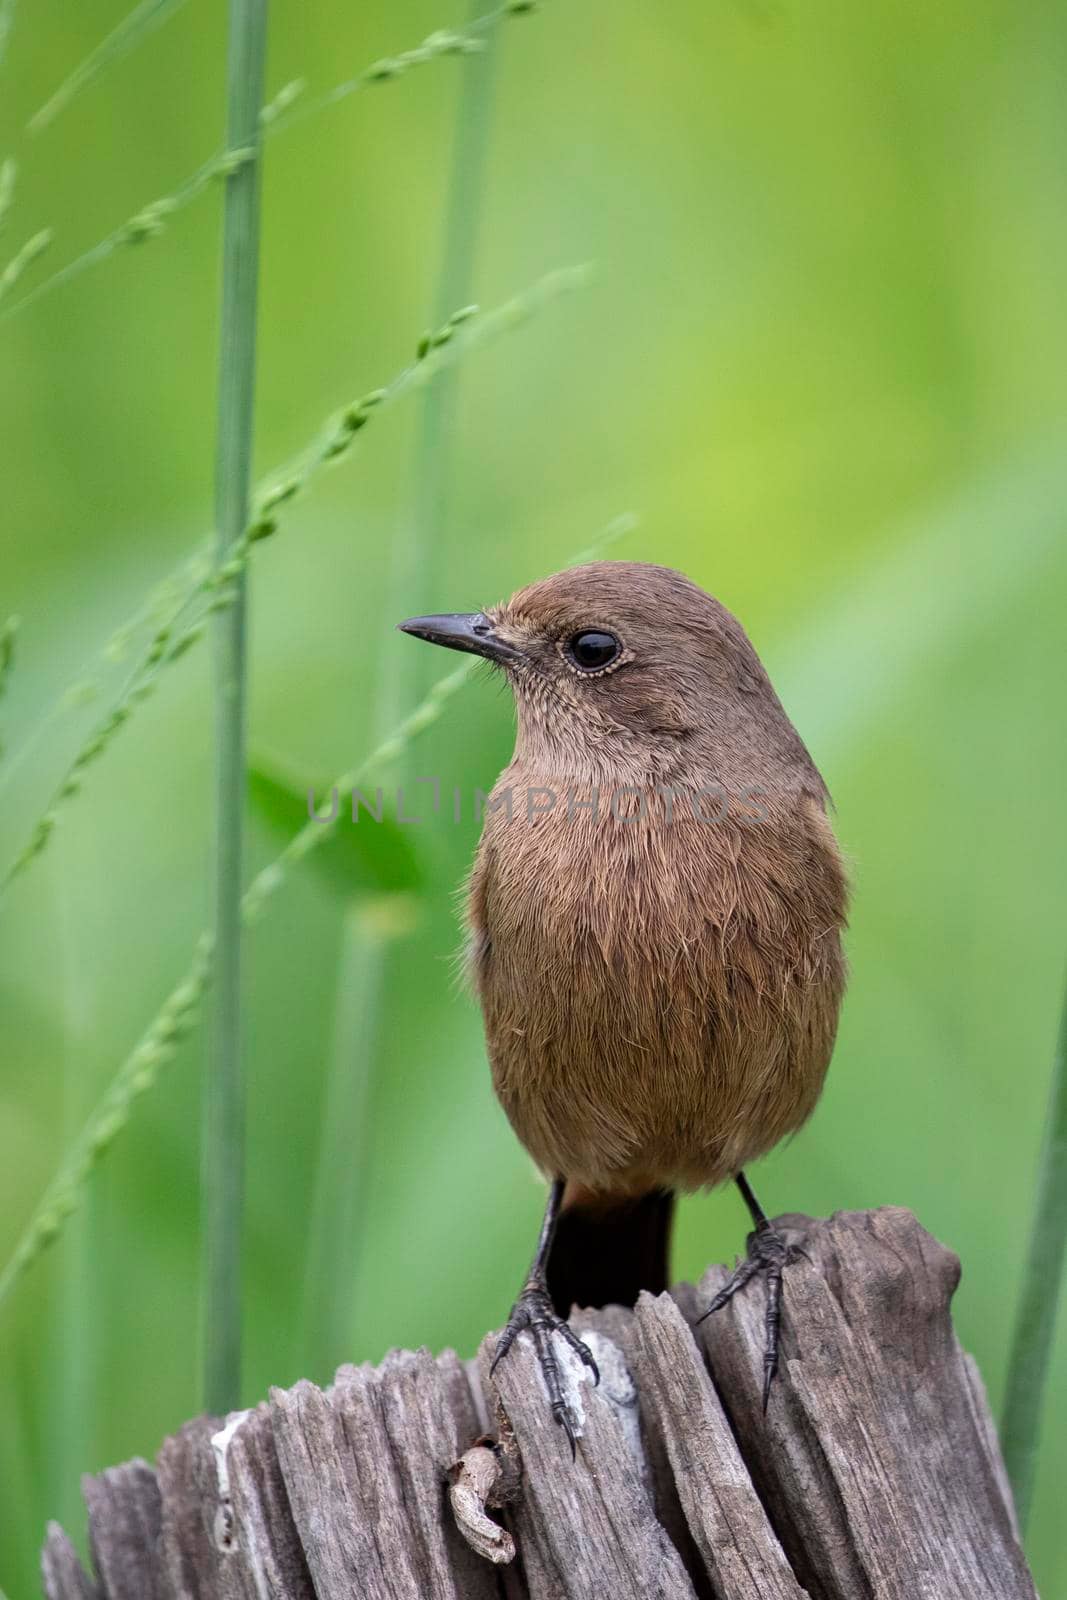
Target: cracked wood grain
x,y
62,1574
876,1459
125,1532
875,1475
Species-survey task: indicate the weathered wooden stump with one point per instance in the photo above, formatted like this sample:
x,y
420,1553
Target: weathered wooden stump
x,y
875,1474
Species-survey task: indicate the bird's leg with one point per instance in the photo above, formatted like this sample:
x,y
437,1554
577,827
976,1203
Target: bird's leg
x,y
769,1253
533,1310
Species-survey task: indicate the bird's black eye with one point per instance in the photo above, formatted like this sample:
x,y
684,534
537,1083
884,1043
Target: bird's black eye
x,y
592,649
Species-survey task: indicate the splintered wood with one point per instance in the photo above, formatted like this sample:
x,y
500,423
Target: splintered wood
x,y
875,1474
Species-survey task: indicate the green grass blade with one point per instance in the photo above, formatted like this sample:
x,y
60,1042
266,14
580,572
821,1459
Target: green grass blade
x,y
331,1261
418,554
8,634
223,1112
23,259
8,174
379,860
141,21
78,1313
921,565
7,19
1031,1351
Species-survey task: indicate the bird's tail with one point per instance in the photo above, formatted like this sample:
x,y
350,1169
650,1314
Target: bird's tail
x,y
607,1249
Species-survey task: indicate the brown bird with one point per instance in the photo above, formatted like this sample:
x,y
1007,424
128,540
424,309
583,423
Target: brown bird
x,y
655,914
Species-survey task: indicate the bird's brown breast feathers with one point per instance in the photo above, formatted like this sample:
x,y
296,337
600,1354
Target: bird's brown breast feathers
x,y
660,995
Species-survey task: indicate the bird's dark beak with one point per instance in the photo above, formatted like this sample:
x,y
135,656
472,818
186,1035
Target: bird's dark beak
x,y
458,630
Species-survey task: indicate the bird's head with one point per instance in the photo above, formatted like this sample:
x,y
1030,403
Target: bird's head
x,y
628,662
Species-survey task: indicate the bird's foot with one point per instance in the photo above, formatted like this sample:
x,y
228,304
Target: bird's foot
x,y
533,1311
769,1253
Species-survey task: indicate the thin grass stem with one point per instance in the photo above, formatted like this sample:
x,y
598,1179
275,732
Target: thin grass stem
x,y
82,1275
8,635
330,1264
143,20
1035,1322
8,174
23,259
7,20
223,1110
434,445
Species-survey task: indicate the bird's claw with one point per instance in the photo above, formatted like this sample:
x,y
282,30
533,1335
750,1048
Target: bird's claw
x,y
769,1253
533,1312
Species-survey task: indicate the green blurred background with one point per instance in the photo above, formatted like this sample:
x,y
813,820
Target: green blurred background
x,y
823,357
